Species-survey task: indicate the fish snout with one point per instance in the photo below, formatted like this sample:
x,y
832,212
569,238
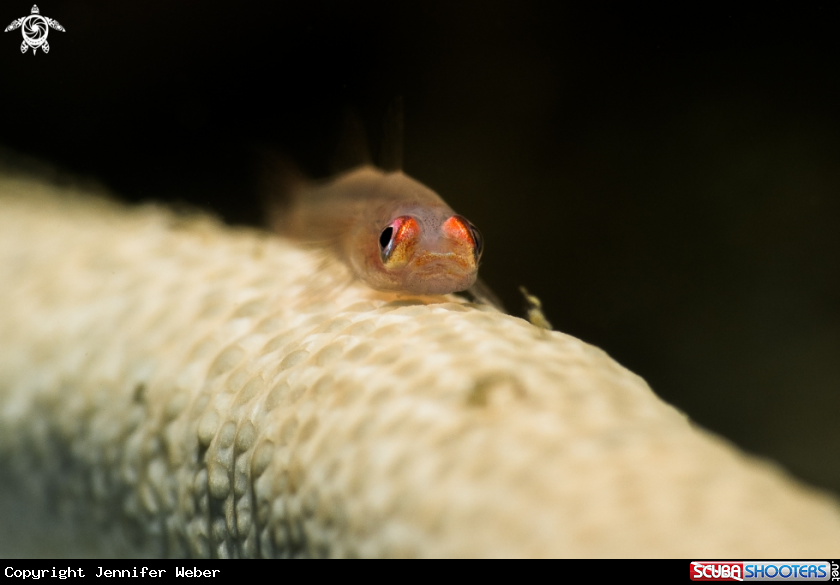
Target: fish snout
x,y
435,261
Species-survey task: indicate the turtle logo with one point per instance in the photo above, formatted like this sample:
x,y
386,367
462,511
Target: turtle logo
x,y
35,29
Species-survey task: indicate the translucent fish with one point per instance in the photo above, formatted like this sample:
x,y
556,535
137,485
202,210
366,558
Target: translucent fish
x,y
394,233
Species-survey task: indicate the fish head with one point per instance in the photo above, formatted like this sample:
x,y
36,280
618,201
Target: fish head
x,y
430,255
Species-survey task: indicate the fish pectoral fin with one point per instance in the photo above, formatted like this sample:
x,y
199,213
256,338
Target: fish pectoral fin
x,y
484,295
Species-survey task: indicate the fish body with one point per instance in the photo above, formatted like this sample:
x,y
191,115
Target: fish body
x,y
394,233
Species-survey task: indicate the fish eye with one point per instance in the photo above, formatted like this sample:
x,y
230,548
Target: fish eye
x,y
397,241
478,239
385,237
459,225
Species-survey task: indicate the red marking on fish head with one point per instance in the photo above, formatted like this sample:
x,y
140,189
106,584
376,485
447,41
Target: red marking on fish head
x,y
461,231
398,241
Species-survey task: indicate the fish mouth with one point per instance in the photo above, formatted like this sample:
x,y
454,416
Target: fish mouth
x,y
436,273
434,262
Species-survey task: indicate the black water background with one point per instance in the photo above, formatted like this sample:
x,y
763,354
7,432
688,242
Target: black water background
x,y
666,180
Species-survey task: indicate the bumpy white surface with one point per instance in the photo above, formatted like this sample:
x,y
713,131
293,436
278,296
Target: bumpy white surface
x,y
171,386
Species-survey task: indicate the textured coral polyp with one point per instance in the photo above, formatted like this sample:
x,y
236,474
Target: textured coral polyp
x,y
170,386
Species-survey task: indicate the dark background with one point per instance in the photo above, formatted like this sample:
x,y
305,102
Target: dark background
x,y
666,179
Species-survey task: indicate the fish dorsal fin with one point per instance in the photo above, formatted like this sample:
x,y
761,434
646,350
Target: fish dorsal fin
x,y
352,149
278,181
391,153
